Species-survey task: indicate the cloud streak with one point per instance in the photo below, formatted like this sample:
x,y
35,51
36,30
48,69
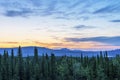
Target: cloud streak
x,y
107,40
9,42
110,7
14,13
82,27
60,8
117,20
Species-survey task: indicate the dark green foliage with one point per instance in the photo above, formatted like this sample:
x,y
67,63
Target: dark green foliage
x,y
5,66
12,66
36,58
20,65
51,67
27,69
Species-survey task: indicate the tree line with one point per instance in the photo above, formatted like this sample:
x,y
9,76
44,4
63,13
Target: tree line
x,y
46,67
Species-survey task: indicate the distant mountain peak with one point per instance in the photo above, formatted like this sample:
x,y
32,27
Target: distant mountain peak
x,y
65,49
29,50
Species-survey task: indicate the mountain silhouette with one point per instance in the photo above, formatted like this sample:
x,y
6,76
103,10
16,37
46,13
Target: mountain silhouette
x,y
29,50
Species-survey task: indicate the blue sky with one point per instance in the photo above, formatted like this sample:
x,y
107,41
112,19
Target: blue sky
x,y
76,24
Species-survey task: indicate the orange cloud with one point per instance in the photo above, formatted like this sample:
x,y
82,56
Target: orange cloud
x,y
9,42
72,45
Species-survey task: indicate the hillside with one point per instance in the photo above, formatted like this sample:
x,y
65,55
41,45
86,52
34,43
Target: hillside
x,y
29,50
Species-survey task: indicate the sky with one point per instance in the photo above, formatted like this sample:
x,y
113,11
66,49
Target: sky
x,y
74,24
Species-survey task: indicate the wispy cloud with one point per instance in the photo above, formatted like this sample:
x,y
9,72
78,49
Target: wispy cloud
x,y
111,7
9,42
50,45
82,27
117,20
60,9
14,13
102,39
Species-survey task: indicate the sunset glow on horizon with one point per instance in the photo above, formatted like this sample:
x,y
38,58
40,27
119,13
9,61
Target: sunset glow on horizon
x,y
74,24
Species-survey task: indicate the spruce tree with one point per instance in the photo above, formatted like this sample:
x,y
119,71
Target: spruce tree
x,y
20,65
12,65
53,67
27,69
36,57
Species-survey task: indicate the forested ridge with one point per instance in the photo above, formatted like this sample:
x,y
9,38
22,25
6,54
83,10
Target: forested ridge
x,y
46,67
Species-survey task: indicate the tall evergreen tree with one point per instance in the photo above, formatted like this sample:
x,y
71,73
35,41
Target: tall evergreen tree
x,y
36,57
28,72
12,66
53,67
5,66
20,65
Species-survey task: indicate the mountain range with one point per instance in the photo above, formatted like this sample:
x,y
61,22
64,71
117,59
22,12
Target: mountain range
x,y
29,50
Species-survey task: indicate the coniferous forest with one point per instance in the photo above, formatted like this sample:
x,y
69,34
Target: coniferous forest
x,y
46,67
